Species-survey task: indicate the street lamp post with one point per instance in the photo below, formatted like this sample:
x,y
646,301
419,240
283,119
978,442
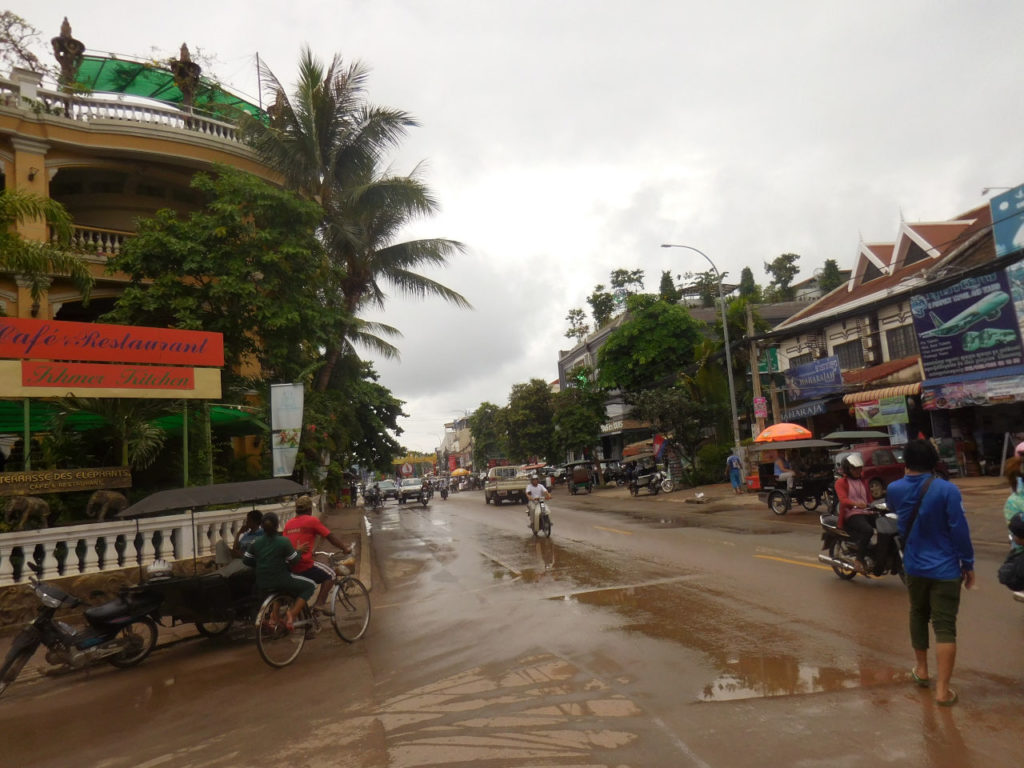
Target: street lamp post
x,y
725,332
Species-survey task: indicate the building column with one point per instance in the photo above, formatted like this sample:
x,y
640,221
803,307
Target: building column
x,y
28,174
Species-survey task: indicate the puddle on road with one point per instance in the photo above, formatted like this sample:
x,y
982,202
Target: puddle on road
x,y
737,648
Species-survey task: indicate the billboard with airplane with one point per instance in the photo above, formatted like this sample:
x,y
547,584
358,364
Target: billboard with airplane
x,y
974,325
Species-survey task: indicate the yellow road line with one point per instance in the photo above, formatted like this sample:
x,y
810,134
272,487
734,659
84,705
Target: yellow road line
x,y
795,562
613,530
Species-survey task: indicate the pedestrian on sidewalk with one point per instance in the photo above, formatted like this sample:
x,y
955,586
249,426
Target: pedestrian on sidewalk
x,y
735,468
1015,501
938,560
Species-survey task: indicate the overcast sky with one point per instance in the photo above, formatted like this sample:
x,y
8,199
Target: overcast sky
x,y
566,138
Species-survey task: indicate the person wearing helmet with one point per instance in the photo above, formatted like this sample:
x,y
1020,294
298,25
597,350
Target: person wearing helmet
x,y
535,491
854,516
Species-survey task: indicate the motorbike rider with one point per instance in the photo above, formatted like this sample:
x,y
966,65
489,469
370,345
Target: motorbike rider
x,y
535,492
854,515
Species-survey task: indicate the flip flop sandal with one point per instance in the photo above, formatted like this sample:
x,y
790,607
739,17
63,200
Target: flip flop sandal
x,y
954,697
921,682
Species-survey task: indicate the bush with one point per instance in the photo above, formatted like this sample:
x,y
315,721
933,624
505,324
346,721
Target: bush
x,y
711,463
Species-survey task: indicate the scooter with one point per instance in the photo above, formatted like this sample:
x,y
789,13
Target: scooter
x,y
426,493
540,518
654,482
885,554
120,632
444,493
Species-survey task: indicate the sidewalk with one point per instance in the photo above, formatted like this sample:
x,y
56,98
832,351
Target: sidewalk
x,y
983,499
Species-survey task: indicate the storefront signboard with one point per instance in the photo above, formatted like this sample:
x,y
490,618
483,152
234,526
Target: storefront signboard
x,y
970,326
58,480
815,379
882,412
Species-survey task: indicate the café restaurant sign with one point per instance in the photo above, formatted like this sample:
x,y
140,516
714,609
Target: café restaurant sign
x,y
57,480
53,358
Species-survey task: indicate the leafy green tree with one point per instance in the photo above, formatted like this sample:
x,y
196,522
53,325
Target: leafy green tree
x,y
248,259
783,270
628,281
487,425
683,415
578,328
653,346
831,278
135,441
667,288
602,305
579,413
330,143
38,262
706,284
528,420
748,288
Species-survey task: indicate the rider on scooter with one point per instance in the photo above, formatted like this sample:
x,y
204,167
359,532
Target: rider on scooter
x,y
535,492
854,515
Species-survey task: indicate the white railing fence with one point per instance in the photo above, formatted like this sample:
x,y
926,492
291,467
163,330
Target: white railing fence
x,y
108,546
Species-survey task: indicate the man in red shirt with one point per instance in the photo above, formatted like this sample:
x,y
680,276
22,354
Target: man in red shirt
x,y
302,530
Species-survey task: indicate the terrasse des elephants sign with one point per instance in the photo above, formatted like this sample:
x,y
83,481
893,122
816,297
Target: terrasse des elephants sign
x,y
53,358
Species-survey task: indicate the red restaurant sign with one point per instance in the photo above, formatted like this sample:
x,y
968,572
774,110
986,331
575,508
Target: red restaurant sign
x,y
27,338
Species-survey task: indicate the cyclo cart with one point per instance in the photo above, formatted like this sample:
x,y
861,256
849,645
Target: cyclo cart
x,y
219,600
814,483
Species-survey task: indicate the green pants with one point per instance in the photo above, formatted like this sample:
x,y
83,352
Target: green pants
x,y
936,601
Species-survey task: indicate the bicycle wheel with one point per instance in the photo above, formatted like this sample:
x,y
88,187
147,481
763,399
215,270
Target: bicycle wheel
x,y
278,646
350,609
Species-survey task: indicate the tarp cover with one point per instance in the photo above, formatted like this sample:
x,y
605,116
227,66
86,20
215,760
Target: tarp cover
x,y
197,496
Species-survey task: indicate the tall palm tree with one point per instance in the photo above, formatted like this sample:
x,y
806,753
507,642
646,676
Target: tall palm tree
x,y
35,261
329,143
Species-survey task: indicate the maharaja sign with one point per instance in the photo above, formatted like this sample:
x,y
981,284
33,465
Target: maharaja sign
x,y
55,358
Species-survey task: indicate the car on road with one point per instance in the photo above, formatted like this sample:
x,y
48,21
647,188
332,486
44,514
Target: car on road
x,y
388,489
410,489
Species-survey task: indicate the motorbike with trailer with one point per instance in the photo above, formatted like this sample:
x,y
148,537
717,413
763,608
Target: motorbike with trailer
x,y
121,632
885,553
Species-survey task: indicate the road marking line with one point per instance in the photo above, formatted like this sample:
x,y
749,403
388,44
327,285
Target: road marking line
x,y
795,562
613,530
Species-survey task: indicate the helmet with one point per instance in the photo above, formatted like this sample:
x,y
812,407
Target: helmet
x,y
158,570
853,461
533,476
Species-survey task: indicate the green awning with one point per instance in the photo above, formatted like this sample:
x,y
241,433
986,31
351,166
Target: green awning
x,y
225,419
152,80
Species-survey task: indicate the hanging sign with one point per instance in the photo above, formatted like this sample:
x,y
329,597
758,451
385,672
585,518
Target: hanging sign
x,y
286,403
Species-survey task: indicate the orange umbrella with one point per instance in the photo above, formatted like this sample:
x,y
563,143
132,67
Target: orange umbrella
x,y
781,432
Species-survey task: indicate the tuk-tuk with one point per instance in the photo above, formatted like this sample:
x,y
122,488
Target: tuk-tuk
x,y
578,477
815,480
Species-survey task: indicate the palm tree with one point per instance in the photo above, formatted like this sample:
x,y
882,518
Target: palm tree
x,y
329,143
130,421
36,261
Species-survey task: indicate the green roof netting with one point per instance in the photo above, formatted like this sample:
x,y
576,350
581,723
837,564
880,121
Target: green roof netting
x,y
224,418
152,80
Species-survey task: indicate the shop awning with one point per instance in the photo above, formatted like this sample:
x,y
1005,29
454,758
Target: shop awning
x,y
900,390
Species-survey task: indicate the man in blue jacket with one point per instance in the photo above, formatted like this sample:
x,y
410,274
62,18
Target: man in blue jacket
x,y
938,559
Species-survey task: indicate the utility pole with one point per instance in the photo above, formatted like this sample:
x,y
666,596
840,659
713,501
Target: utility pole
x,y
755,370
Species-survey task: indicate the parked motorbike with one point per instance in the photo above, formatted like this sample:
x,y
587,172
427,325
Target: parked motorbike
x,y
885,554
654,481
120,632
540,518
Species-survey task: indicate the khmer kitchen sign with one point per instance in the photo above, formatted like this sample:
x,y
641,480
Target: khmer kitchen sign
x,y
55,358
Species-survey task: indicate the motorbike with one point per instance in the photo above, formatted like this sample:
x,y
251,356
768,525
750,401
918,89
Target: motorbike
x,y
425,495
121,632
885,554
444,493
374,500
540,518
654,481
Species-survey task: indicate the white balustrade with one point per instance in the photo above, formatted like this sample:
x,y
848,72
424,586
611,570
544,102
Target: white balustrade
x,y
175,534
113,107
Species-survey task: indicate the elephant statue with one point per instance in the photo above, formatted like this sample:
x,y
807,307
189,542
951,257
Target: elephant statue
x,y
21,509
103,502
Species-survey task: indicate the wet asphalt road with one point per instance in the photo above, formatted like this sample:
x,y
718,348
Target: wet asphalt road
x,y
705,640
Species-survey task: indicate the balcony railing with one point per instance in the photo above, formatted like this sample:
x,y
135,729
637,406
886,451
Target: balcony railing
x,y
111,108
98,242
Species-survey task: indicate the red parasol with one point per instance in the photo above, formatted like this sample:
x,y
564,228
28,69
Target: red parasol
x,y
782,432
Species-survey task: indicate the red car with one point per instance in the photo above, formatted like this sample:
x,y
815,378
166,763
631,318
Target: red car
x,y
881,466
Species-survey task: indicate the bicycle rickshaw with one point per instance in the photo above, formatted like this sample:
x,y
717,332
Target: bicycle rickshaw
x,y
217,601
814,483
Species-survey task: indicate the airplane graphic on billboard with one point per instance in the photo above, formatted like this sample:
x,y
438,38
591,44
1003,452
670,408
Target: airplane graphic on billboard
x,y
986,308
